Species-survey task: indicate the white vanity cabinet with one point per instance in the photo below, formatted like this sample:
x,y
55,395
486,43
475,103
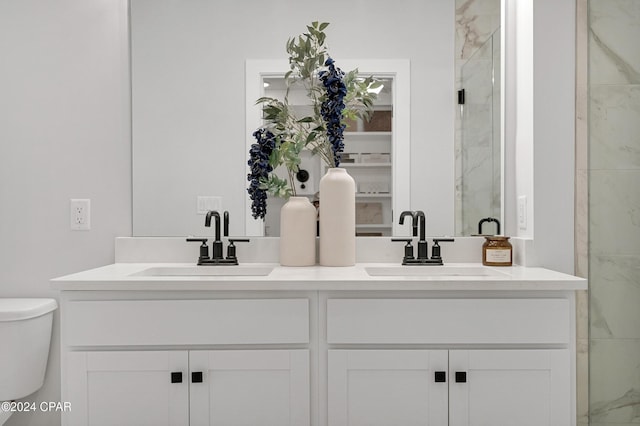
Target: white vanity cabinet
x,y
504,387
318,347
386,387
127,387
251,387
138,361
174,388
440,387
497,360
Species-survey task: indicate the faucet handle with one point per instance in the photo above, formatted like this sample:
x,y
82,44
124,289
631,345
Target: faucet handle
x,y
204,248
435,249
408,248
231,248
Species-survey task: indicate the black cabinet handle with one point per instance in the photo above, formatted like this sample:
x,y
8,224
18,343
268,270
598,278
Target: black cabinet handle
x,y
440,376
196,377
461,377
176,377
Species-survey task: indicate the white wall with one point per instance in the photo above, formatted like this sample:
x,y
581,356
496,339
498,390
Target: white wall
x,y
189,101
540,133
554,29
64,133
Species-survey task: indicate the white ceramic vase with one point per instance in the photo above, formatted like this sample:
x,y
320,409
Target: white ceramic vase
x,y
337,218
298,221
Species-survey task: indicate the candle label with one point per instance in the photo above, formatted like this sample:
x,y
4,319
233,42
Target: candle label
x,y
498,255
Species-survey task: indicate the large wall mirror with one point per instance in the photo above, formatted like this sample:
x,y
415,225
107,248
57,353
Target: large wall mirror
x,y
189,75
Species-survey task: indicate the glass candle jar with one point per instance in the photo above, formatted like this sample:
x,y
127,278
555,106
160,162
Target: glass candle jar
x,y
497,251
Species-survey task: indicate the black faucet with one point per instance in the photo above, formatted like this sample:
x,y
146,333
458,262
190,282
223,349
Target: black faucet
x,y
419,222
414,220
408,248
217,246
423,250
489,219
217,242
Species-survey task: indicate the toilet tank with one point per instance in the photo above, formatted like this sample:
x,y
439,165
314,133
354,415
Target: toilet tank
x,y
25,335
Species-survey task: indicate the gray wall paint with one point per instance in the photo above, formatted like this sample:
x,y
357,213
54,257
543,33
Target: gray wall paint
x,y
64,133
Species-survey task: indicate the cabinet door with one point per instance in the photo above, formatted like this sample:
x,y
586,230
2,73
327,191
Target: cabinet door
x,y
250,388
387,387
510,387
127,388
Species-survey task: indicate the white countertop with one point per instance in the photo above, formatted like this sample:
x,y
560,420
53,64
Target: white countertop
x,y
121,277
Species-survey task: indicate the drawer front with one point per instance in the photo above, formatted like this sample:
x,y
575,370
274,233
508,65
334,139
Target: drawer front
x,y
187,322
448,321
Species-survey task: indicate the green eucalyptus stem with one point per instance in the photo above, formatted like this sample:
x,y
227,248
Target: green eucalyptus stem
x,y
292,182
307,57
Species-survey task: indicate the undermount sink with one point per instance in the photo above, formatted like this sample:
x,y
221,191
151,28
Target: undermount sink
x,y
432,271
206,271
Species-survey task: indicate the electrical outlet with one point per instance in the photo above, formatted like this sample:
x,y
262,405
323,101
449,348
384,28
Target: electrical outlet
x,y
80,214
522,212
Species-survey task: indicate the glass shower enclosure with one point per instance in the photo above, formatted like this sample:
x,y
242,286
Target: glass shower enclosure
x,y
479,179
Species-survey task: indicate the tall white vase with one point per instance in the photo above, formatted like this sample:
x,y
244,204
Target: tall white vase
x,y
298,219
337,218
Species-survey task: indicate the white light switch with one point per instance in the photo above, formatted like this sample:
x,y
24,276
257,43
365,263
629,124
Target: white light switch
x,y
522,212
206,203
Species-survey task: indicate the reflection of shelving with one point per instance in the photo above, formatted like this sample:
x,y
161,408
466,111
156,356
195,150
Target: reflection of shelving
x,y
367,157
364,165
363,195
367,134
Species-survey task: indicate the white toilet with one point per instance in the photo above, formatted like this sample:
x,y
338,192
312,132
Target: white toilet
x,y
25,335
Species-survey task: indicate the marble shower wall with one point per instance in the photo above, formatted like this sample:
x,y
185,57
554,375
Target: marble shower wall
x,y
614,212
476,21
